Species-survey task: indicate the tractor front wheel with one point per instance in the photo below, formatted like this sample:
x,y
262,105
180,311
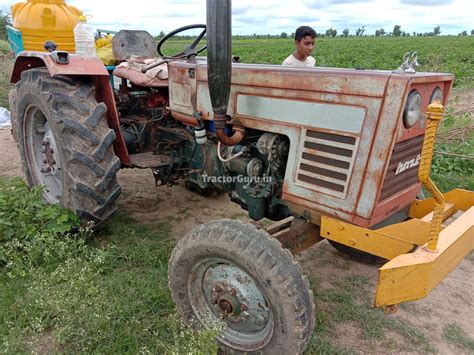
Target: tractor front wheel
x,y
65,143
357,255
229,271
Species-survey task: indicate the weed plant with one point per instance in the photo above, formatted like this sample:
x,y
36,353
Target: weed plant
x,y
72,292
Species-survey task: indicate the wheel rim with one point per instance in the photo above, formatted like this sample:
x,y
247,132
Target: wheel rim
x,y
221,290
43,156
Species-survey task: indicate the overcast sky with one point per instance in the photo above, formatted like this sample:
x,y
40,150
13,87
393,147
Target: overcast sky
x,y
274,16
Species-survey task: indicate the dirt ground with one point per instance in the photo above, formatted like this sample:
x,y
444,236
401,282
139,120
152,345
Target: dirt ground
x,y
452,302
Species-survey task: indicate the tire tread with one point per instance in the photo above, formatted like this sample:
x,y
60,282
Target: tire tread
x,y
267,256
79,124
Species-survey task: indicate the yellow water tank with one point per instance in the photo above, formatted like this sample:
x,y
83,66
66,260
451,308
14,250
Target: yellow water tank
x,y
46,20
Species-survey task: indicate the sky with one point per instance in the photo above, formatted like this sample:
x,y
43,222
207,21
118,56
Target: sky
x,y
275,17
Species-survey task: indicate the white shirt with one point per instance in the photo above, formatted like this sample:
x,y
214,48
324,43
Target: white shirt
x,y
292,61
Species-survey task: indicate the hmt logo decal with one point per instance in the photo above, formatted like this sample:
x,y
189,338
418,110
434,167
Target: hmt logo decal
x,y
408,164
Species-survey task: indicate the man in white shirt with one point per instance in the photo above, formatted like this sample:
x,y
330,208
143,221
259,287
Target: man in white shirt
x,y
305,37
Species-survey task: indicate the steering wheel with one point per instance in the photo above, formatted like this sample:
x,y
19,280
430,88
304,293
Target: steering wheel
x,y
190,50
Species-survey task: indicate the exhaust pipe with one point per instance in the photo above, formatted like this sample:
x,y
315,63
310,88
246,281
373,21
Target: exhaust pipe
x,y
219,66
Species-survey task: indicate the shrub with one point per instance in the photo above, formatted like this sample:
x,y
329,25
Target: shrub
x,y
59,293
29,225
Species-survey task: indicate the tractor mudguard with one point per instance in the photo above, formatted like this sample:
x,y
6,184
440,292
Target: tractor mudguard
x,y
83,66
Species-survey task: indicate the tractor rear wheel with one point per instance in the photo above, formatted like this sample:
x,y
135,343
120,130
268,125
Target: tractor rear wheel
x,y
228,270
65,143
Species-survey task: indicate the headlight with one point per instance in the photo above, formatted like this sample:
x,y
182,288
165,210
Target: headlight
x,y
437,94
411,115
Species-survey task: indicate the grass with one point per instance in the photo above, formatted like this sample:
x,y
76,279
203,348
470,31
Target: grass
x,y
348,302
107,294
4,47
6,65
115,300
453,163
458,337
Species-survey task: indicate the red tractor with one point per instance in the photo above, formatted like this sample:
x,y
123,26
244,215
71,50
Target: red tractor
x,y
336,154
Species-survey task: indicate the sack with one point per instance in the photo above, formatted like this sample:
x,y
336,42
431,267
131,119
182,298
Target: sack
x,y
4,118
103,48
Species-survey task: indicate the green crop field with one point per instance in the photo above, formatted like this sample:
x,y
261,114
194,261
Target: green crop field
x,y
453,54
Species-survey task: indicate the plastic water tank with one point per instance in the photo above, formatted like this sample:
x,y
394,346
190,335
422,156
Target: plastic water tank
x,y
46,20
84,36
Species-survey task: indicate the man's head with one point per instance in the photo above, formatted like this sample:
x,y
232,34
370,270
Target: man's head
x,y
304,40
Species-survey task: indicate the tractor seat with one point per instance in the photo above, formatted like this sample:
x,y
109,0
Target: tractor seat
x,y
131,70
136,49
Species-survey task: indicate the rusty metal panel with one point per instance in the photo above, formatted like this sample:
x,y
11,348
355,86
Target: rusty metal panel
x,y
425,77
104,93
330,80
318,115
383,141
182,87
317,200
204,101
402,170
78,65
401,176
312,174
398,202
327,162
347,158
181,94
302,207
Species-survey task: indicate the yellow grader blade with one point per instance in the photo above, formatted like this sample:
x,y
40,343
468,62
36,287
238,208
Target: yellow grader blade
x,y
461,199
414,269
388,242
412,276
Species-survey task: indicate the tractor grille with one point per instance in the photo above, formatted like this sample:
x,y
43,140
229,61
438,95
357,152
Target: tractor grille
x,y
326,162
396,180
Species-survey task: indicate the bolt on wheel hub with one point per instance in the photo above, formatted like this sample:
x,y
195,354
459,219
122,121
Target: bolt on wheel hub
x,y
49,161
228,307
44,161
231,294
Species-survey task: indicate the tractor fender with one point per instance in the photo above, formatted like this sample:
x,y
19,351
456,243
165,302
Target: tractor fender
x,y
83,66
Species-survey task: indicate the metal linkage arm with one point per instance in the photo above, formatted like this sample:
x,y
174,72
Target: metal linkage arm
x,y
434,117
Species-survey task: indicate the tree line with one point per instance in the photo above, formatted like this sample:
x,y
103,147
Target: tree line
x,y
396,32
331,32
4,21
